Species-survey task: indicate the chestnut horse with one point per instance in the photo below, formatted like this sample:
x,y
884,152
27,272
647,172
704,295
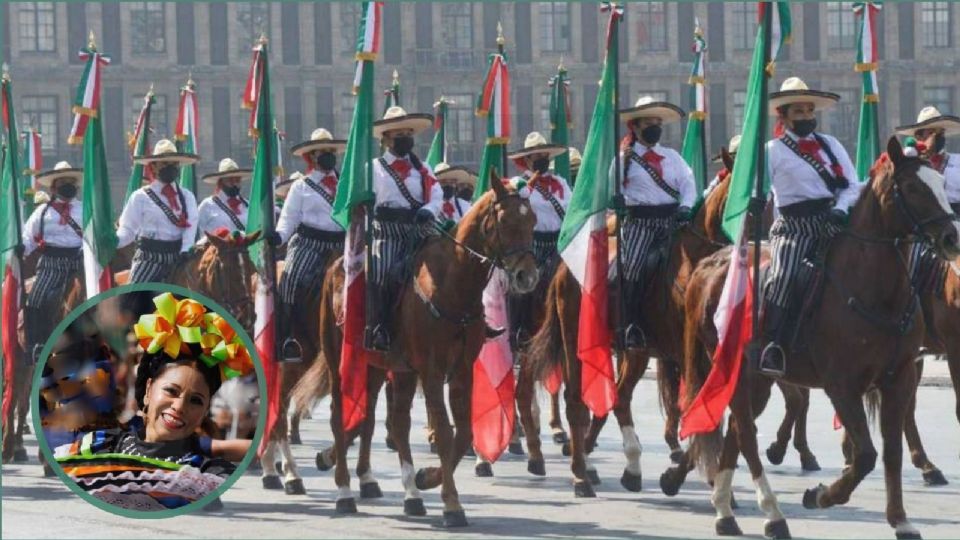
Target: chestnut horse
x,y
556,342
873,348
439,329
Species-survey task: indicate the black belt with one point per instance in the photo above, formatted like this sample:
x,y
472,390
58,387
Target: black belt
x,y
955,207
641,211
546,237
395,215
320,235
807,208
159,246
61,252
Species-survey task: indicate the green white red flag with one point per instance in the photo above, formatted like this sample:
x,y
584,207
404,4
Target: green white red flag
x,y
493,103
139,143
188,117
694,149
868,135
560,119
33,155
87,102
438,148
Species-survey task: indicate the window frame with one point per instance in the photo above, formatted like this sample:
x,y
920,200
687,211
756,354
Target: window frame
x,y
32,117
548,14
137,36
245,29
646,8
348,28
743,14
840,17
930,36
159,110
34,11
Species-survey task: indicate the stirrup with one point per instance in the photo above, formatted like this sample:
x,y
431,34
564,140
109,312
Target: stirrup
x,y
634,337
376,339
35,353
291,351
773,361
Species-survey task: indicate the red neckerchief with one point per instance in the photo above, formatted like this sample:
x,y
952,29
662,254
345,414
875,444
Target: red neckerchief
x,y
723,174
235,204
811,148
402,167
171,194
654,159
449,209
550,184
938,161
330,183
62,208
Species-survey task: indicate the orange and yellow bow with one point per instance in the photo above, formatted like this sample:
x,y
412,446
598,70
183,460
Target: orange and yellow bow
x,y
223,347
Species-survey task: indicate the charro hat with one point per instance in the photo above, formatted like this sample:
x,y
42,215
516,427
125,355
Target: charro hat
x,y
732,148
165,151
397,118
320,139
794,90
535,143
283,186
648,107
454,175
930,118
228,168
60,170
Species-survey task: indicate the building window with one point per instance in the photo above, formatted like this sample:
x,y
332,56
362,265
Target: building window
x,y
457,25
843,118
148,28
348,102
554,26
159,128
744,25
940,97
651,25
545,113
41,112
739,99
461,149
935,24
253,19
841,27
38,27
349,24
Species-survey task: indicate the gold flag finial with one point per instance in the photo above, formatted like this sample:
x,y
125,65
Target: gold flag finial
x,y
500,39
6,72
150,91
91,41
396,77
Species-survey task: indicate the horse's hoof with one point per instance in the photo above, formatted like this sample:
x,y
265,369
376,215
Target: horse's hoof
x,y
370,490
346,506
583,489
214,506
631,482
934,478
414,507
515,448
909,535
278,466
593,476
433,448
727,526
48,471
322,465
20,455
536,467
669,482
272,482
455,519
390,444
483,470
775,453
560,437
565,449
809,463
676,455
295,439
294,487
776,529
811,496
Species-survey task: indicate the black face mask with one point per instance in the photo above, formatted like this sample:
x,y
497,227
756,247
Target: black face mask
x,y
402,145
448,191
651,134
939,141
541,165
67,191
168,174
465,194
804,127
231,191
327,161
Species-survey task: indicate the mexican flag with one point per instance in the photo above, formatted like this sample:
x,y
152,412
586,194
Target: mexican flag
x,y
356,189
438,148
99,235
868,136
583,235
186,133
734,315
139,143
694,150
493,103
560,121
10,223
391,96
33,154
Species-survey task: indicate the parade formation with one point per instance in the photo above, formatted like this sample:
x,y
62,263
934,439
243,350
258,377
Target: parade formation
x,y
373,268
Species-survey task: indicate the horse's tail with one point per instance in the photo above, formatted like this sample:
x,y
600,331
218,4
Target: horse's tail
x,y
311,388
668,383
872,402
545,350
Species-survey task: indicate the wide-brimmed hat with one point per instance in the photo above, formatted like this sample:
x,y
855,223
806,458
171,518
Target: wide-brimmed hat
x,y
60,170
794,90
320,139
454,175
732,148
648,107
283,186
166,151
535,143
396,118
228,168
931,118
575,158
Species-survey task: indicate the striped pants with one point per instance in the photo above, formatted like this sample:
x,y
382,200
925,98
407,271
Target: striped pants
x,y
640,235
44,303
926,269
393,242
793,239
305,263
152,265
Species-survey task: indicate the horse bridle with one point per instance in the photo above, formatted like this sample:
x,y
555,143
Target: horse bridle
x,y
237,305
916,223
498,260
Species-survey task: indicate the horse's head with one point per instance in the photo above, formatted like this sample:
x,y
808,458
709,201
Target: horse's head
x,y
913,199
506,223
225,272
715,203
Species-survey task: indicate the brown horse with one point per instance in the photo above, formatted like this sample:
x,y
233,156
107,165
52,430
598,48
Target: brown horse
x,y
556,342
439,331
873,348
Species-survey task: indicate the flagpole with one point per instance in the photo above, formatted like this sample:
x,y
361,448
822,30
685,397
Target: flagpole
x,y
759,201
619,203
500,43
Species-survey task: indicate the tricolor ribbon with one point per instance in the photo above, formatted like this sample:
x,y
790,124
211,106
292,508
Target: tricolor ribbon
x,y
867,51
251,90
368,38
188,115
494,100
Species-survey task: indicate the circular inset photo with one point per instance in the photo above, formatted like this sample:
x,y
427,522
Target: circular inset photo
x,y
146,401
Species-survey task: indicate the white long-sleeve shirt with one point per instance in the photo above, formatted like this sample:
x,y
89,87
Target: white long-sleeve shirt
x,y
54,233
388,194
547,218
639,188
307,207
951,173
141,218
793,180
458,206
212,216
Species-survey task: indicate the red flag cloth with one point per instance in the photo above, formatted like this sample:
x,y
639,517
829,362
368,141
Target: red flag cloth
x,y
264,339
353,360
654,160
554,379
598,387
11,345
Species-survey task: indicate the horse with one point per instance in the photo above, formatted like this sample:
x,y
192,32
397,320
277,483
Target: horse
x,y
439,330
556,343
874,348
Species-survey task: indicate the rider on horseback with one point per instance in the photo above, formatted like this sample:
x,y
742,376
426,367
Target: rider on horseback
x,y
58,236
161,217
314,236
658,190
732,148
549,197
226,208
814,184
454,181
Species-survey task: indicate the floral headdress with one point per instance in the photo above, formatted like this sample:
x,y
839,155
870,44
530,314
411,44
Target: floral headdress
x,y
178,323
